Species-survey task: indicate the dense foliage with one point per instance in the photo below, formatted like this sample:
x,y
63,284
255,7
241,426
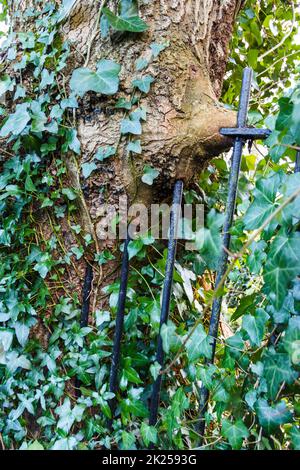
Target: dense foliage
x,y
254,401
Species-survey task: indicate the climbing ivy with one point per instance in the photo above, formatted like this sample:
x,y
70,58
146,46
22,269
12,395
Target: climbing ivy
x,y
253,384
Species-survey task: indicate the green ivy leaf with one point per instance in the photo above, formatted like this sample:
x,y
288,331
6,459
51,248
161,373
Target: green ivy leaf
x,y
282,266
132,375
246,303
35,445
277,369
65,9
135,146
143,84
155,370
149,434
285,113
271,417
6,84
254,325
72,142
150,174
208,239
22,332
141,63
295,437
105,80
291,340
131,126
88,168
47,78
133,24
16,122
235,432
105,152
264,202
199,345
128,441
257,256
69,193
157,48
171,341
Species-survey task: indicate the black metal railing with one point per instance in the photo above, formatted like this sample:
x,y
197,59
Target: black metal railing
x,y
241,133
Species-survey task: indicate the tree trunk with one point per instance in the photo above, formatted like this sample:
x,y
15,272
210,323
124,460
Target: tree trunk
x,y
183,113
181,131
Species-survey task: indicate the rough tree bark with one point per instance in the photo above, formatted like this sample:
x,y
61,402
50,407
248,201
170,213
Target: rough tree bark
x,y
183,113
181,133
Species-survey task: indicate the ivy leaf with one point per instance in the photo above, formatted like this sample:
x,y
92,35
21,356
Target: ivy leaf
x,y
295,437
88,168
131,126
105,152
128,8
134,247
35,445
271,417
250,398
285,113
66,417
290,184
157,48
132,375
206,375
141,63
16,122
150,174
149,434
246,303
171,341
6,84
29,186
291,340
277,369
69,193
264,202
254,325
20,92
128,441
155,370
6,338
199,345
134,146
122,103
105,80
71,141
65,9
257,256
14,361
208,239
235,432
133,24
104,26
282,266
22,332
143,84
47,78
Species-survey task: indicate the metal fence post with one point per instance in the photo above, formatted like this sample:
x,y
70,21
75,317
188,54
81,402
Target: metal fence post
x,y
240,134
167,290
115,359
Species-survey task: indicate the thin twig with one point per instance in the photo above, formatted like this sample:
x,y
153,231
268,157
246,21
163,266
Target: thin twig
x,y
275,63
283,39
